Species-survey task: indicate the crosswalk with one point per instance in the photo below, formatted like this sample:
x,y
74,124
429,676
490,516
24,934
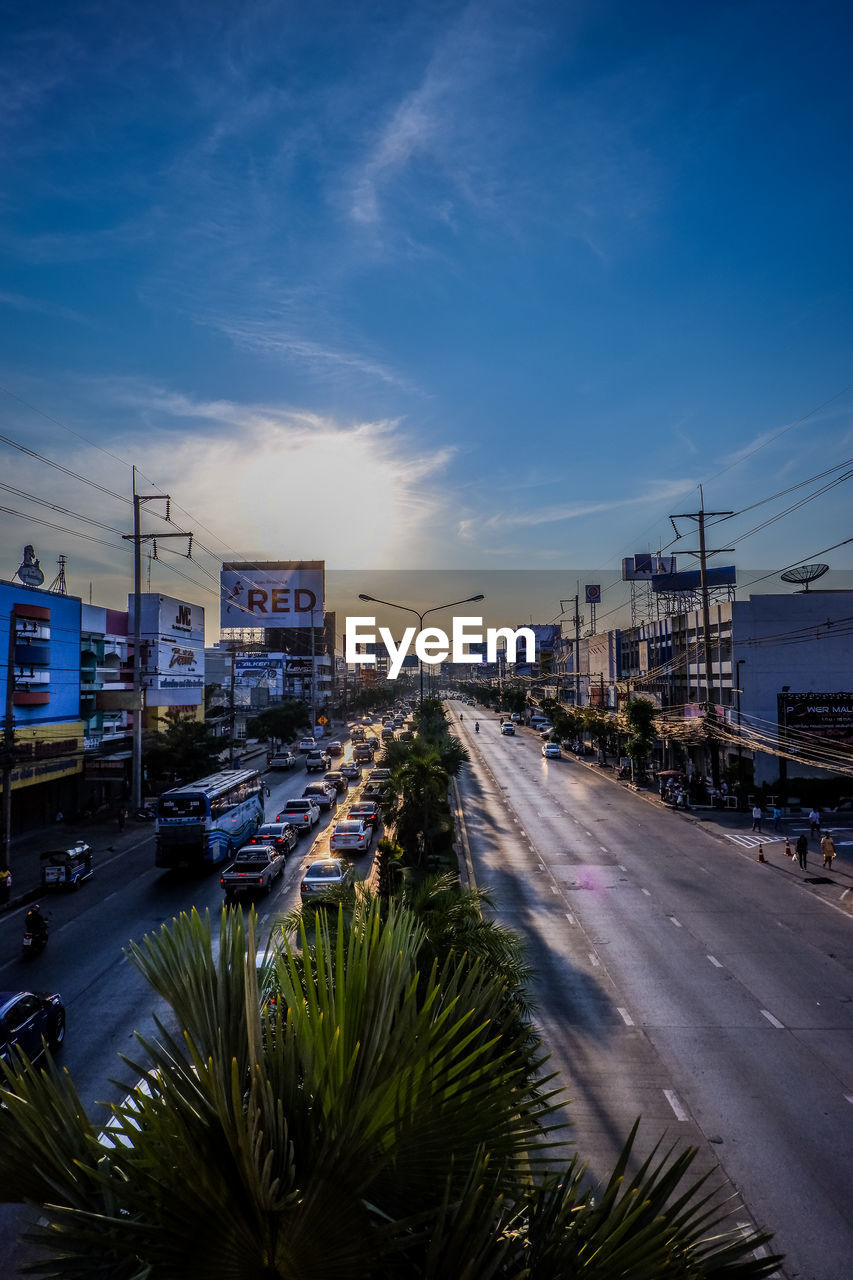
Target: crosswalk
x,y
752,839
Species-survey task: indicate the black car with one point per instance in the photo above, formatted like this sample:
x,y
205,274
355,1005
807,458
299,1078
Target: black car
x,y
281,835
25,1020
338,780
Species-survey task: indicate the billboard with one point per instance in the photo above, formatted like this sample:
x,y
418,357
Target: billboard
x,y
826,715
45,655
278,593
691,579
172,634
592,593
644,567
164,617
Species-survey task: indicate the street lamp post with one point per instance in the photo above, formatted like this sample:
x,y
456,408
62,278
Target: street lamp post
x,y
420,616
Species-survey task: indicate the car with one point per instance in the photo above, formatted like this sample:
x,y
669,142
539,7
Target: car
x,y
372,742
350,770
357,733
339,780
254,868
317,761
379,775
508,729
335,748
374,791
281,760
306,744
300,813
351,834
551,751
324,794
362,751
328,873
283,836
386,734
407,736
27,1018
541,724
516,717
364,811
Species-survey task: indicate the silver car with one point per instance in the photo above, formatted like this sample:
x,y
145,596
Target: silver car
x,y
330,873
350,834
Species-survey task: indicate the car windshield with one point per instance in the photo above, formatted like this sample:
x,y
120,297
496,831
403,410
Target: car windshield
x,y
251,855
347,828
297,806
324,871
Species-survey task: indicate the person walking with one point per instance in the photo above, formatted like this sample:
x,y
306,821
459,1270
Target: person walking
x,y
5,885
814,822
777,814
756,817
803,850
827,848
122,817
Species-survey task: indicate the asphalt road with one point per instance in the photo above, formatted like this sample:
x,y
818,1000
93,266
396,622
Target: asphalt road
x,y
681,980
106,1000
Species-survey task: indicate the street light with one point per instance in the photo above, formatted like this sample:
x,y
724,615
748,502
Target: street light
x,y
420,616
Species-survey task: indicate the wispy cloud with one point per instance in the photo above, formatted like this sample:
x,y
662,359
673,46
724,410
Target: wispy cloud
x,y
558,513
36,305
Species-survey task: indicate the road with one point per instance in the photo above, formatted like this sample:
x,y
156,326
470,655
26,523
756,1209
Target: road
x,y
106,1000
681,980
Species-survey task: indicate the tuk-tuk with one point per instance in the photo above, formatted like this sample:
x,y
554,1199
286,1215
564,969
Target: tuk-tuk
x,y
66,868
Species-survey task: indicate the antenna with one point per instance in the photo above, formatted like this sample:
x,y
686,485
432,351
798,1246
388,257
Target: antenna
x,y
59,586
805,573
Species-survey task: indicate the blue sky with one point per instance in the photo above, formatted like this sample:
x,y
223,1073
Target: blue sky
x,y
430,284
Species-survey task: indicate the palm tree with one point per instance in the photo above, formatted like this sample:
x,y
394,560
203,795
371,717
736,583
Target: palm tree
x,y
362,1124
418,810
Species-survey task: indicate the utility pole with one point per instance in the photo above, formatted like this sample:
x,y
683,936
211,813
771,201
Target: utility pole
x,y
700,517
137,538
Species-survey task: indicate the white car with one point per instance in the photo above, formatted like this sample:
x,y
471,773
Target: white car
x,y
350,834
508,729
551,751
300,813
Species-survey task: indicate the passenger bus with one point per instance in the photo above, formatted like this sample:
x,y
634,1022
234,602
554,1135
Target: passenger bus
x,y
205,822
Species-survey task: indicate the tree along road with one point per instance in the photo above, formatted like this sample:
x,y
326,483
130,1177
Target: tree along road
x,y
105,999
679,979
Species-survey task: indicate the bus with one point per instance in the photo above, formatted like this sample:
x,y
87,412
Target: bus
x,y
205,822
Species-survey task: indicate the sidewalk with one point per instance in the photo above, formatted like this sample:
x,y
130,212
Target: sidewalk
x,y
101,833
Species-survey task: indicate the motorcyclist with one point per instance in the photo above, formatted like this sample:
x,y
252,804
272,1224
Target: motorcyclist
x,y
35,922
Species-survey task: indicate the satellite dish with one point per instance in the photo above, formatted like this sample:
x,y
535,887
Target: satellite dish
x,y
805,573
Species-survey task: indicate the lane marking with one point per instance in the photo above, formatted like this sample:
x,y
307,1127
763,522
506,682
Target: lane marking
x,y
110,895
844,894
672,1099
570,917
705,869
553,888
773,1021
621,868
647,892
625,1016
849,1097
676,922
603,850
593,958
715,962
589,833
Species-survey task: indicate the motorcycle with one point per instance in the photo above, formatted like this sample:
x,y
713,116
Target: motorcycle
x,y
34,942
147,813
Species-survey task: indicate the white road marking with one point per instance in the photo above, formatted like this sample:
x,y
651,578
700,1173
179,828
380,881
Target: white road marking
x,y
553,888
844,894
672,1099
603,850
752,839
849,1097
647,892
774,1022
110,895
621,868
676,922
570,917
589,833
715,962
625,1016
593,958
705,869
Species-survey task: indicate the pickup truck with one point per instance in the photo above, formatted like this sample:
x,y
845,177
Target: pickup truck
x,y
362,751
281,760
252,871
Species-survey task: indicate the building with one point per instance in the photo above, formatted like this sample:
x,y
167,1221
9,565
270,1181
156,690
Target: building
x,y
172,657
106,704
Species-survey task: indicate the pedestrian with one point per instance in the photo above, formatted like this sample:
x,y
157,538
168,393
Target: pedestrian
x,y
827,848
802,850
122,817
777,814
814,822
5,885
756,817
